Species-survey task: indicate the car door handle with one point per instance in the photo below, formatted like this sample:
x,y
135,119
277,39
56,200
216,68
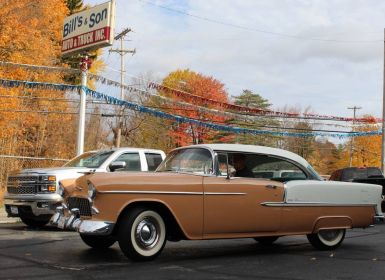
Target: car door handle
x,y
270,187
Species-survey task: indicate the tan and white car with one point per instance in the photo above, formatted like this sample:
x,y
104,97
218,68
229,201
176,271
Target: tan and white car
x,y
192,195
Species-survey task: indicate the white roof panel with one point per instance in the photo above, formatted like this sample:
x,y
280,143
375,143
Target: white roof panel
x,y
255,149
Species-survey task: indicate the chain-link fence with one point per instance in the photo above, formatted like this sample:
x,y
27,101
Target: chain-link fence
x,y
12,163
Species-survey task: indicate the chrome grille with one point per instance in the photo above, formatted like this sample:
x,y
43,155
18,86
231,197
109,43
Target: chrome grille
x,y
83,204
30,184
22,184
22,190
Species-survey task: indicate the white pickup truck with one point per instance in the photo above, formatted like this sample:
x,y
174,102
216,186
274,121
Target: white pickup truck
x,y
34,194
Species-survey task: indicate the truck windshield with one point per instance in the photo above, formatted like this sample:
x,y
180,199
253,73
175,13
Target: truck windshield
x,y
89,160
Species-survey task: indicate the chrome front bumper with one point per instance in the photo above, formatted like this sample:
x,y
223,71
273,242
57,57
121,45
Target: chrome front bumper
x,y
40,204
88,227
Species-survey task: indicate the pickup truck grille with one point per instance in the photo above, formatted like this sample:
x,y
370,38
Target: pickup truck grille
x,y
83,204
22,190
29,184
22,184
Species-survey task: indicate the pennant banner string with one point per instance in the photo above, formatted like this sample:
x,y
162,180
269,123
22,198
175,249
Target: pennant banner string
x,y
195,98
234,107
177,118
238,130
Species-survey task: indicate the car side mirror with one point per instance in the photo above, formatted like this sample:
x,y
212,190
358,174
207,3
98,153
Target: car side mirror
x,y
117,165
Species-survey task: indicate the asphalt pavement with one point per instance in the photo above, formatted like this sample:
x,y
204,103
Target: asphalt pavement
x,y
49,253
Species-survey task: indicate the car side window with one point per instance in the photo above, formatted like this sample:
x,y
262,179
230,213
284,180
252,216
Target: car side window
x,y
222,165
274,168
153,160
132,161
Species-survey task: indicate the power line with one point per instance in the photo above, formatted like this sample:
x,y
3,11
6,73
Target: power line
x,y
256,29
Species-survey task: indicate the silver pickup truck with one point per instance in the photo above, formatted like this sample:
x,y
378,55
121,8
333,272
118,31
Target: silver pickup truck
x,y
34,194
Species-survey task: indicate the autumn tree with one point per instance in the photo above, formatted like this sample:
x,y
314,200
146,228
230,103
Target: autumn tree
x,y
200,85
325,156
366,150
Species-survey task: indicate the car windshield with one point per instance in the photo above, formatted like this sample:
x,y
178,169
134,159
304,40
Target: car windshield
x,y
89,160
314,173
191,160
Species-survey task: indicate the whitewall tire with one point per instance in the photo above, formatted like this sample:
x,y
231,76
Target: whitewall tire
x,y
327,239
142,234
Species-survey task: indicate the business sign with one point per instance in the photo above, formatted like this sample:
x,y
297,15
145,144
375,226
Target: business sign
x,y
89,29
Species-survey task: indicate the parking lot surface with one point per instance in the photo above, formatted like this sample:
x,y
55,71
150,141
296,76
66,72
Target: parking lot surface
x,y
49,253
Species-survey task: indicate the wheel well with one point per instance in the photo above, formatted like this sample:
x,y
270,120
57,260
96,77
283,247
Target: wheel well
x,y
174,232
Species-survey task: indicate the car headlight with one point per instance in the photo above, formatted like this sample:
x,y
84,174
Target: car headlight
x,y
91,190
61,189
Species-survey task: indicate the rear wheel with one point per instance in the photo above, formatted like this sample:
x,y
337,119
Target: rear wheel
x,y
142,234
35,221
266,240
327,239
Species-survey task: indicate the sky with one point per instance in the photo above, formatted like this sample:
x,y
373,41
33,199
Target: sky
x,y
324,54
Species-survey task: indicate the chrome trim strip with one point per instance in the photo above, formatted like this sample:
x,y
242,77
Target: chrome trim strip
x,y
170,192
311,204
223,193
150,192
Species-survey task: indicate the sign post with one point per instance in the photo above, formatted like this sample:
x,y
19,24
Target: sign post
x,y
85,31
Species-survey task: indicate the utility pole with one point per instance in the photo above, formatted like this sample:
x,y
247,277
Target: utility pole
x,y
383,117
355,108
122,52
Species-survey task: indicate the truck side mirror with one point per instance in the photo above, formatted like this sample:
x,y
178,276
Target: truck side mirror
x,y
117,165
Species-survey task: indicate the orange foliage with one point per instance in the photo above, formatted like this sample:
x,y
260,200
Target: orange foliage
x,y
197,84
30,33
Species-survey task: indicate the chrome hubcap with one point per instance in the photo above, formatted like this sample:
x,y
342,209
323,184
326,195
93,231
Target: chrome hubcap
x,y
146,233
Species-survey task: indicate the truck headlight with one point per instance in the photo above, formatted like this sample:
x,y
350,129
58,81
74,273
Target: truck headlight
x,y
91,190
47,188
51,178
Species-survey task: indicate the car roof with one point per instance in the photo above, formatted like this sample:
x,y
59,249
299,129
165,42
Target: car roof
x,y
254,149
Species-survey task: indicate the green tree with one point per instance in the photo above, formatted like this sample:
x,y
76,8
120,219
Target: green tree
x,y
74,6
253,100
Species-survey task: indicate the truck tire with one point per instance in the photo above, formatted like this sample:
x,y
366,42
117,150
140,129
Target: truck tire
x,y
327,239
142,234
35,221
98,242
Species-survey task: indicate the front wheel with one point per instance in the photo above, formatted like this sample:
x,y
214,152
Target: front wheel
x,y
142,234
98,242
35,221
327,239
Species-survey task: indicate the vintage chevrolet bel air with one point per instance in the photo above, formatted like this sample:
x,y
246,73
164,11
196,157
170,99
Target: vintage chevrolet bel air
x,y
217,191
